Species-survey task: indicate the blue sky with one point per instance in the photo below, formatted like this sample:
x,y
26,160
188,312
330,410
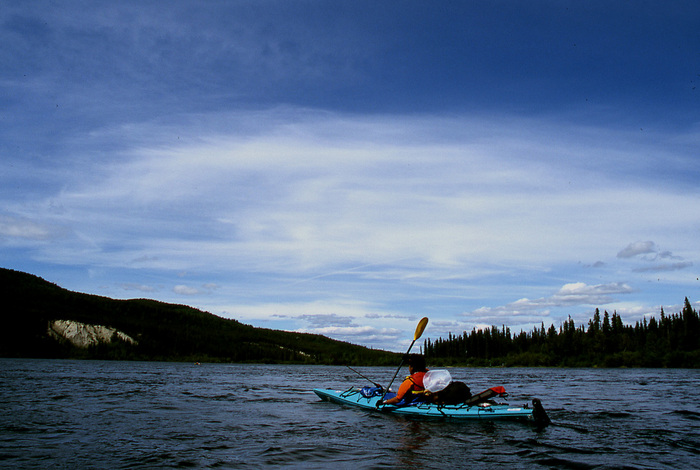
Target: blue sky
x,y
348,167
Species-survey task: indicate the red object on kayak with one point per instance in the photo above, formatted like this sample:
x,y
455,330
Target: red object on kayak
x,y
485,395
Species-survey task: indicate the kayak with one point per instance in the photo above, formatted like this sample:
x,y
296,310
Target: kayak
x,y
487,410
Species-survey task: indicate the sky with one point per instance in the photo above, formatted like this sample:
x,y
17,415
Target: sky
x,y
348,167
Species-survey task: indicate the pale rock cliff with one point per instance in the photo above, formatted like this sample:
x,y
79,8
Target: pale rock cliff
x,y
83,335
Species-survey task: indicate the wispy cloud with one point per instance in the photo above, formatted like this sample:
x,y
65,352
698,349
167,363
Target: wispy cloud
x,y
181,289
137,287
23,229
655,256
291,198
661,267
354,334
637,248
327,320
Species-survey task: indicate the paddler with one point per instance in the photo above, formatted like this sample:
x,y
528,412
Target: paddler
x,y
412,387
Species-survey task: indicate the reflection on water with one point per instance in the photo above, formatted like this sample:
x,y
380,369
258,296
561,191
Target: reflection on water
x,y
412,440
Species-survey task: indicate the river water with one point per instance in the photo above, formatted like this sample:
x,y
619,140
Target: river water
x,y
109,415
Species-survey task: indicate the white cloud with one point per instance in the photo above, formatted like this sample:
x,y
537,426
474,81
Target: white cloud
x,y
581,294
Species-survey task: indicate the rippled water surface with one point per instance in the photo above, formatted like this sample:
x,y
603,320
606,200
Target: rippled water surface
x,y
91,414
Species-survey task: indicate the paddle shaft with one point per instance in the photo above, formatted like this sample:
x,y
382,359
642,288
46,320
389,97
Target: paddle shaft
x,y
419,331
397,371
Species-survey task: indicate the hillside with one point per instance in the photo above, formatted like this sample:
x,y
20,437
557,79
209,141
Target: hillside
x,y
162,331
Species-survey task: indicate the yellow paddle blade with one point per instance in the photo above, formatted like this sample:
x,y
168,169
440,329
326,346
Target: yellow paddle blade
x,y
420,328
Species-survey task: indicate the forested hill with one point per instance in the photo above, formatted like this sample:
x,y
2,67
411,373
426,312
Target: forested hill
x,y
162,331
670,341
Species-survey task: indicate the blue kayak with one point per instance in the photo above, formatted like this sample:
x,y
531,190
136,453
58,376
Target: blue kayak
x,y
488,410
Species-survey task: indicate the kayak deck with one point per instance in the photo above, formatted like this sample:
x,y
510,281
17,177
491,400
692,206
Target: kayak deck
x,y
488,411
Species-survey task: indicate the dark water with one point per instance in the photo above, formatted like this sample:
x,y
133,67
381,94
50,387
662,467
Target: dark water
x,y
109,415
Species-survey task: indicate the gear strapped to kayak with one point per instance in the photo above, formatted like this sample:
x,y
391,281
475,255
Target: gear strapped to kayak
x,y
454,393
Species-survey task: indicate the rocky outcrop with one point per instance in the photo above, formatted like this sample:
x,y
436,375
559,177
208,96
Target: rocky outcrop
x,y
83,335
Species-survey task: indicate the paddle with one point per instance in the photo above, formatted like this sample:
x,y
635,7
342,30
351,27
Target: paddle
x,y
419,331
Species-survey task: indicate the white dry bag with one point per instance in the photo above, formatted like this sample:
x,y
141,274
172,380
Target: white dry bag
x,y
436,380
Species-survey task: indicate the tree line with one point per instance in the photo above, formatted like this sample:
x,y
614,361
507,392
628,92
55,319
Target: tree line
x,y
671,341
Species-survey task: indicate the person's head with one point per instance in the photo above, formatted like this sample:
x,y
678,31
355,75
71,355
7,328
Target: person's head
x,y
416,362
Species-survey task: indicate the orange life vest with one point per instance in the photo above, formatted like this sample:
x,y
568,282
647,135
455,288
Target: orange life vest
x,y
413,384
